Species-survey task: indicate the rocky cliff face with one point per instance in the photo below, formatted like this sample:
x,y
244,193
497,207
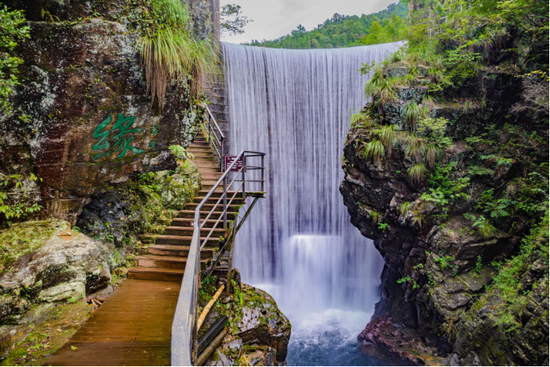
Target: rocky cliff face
x,y
452,194
82,116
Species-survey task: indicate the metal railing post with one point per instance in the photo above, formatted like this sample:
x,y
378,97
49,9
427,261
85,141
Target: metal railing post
x,y
209,129
263,172
242,171
225,202
183,351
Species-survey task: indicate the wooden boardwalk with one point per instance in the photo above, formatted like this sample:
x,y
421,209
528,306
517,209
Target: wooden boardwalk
x,y
131,328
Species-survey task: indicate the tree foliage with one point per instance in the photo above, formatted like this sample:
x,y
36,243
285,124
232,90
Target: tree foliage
x,y
232,25
344,31
11,31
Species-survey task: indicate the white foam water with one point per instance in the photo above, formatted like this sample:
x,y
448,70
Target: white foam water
x,y
299,244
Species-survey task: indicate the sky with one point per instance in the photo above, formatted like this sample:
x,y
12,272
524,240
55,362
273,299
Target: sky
x,y
276,18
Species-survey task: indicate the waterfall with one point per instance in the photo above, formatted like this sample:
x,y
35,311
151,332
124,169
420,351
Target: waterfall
x,y
299,244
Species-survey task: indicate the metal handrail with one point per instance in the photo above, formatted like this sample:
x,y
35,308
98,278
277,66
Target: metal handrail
x,y
184,332
215,135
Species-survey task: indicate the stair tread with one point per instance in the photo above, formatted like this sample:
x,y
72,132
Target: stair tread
x,y
164,258
204,192
142,269
192,211
180,259
175,248
183,238
187,228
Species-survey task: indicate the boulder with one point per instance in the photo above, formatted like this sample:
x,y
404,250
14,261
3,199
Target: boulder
x,y
67,266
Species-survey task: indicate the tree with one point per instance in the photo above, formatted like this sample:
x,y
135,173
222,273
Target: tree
x,y
233,26
344,30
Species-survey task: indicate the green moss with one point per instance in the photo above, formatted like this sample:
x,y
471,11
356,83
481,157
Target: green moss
x,y
26,237
48,335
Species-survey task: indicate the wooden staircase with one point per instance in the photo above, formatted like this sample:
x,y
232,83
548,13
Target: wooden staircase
x,y
166,259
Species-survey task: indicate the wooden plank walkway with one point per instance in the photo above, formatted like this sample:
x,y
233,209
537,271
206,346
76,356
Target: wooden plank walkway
x,y
132,328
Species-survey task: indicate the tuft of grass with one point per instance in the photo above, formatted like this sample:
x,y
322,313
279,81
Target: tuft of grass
x,y
487,231
387,134
374,151
432,153
169,50
361,120
468,106
404,207
381,88
414,147
374,216
418,218
412,113
417,172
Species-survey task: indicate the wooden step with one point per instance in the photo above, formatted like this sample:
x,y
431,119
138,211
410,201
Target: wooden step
x,y
206,156
210,175
207,175
199,143
209,206
213,199
188,231
168,262
167,275
217,193
215,215
208,184
180,251
184,240
207,166
186,222
200,150
156,261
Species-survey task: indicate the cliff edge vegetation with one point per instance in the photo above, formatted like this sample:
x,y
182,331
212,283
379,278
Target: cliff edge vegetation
x,y
447,170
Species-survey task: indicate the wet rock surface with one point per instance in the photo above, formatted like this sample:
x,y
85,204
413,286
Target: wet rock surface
x,y
123,212
389,341
259,331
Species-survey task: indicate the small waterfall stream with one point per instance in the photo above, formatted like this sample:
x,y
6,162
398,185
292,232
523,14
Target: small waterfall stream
x,y
299,244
